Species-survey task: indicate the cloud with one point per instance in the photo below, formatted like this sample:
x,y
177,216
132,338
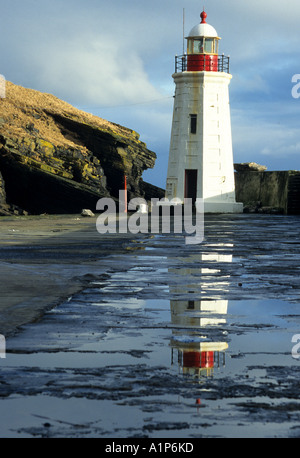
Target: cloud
x,y
96,73
80,56
252,83
265,140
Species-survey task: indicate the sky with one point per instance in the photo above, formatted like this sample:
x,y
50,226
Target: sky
x,y
115,59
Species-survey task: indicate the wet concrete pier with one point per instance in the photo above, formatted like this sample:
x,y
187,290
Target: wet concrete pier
x,y
154,338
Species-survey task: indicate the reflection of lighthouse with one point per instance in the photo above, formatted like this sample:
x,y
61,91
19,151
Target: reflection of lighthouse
x,y
200,158
197,334
198,355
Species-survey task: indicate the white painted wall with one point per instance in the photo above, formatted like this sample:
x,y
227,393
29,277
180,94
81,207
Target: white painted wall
x,y
210,149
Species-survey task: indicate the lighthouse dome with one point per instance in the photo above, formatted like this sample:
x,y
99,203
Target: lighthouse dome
x,y
203,30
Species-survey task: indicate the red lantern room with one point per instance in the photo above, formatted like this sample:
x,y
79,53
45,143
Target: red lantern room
x,y
202,47
198,359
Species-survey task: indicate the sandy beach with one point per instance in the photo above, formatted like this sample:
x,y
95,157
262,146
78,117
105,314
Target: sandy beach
x,y
44,260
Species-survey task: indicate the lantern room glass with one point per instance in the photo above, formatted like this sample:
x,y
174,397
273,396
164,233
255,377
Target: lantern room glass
x,y
198,46
203,46
209,45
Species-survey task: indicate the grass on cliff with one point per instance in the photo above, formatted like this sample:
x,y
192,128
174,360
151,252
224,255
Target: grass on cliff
x,y
23,107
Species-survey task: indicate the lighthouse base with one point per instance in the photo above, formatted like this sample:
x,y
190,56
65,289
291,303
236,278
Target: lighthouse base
x,y
205,206
222,207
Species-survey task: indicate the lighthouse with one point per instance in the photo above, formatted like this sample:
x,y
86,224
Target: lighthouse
x,y
200,164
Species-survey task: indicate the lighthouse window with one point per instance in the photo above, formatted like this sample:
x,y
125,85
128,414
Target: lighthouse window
x,y
193,118
209,42
198,46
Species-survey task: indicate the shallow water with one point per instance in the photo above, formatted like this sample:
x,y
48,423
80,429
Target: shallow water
x,y
172,343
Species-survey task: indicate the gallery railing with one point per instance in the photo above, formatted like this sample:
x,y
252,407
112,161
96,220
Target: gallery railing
x,y
181,63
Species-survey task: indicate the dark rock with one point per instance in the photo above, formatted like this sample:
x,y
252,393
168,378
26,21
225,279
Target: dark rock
x,y
271,210
249,166
152,192
2,191
88,213
256,207
4,208
30,127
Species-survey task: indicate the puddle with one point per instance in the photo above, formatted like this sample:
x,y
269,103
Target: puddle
x,y
175,368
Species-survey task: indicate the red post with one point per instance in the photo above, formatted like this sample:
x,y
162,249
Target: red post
x,y
125,193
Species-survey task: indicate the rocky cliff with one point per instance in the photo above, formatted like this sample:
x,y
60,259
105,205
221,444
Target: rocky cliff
x,y
57,159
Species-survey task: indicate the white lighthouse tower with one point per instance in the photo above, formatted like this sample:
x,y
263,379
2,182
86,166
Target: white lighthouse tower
x,y
201,159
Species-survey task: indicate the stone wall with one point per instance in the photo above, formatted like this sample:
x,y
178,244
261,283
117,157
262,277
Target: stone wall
x,y
268,192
